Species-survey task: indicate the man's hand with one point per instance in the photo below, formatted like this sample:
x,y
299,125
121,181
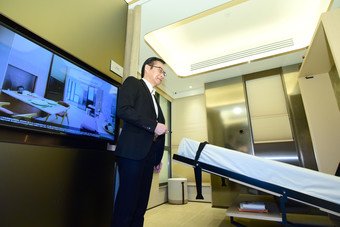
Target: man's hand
x,y
160,129
157,168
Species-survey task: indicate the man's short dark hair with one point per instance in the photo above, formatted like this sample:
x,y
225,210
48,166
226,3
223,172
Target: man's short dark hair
x,y
150,62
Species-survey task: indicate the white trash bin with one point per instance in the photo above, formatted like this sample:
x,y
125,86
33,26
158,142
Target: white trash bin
x,y
177,190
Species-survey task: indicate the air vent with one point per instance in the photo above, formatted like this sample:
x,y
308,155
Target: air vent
x,y
242,54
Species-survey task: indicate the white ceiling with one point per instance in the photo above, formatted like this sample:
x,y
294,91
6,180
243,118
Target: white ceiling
x,y
251,21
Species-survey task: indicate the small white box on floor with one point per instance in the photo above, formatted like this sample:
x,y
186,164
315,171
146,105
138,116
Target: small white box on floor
x,y
177,190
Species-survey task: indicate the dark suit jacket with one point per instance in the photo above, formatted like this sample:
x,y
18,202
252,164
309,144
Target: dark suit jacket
x,y
135,107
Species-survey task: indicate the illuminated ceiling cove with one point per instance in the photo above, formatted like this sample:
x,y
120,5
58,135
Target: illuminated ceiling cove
x,y
236,32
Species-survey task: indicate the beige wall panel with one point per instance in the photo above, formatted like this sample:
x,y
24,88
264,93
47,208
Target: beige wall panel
x,y
335,79
188,120
93,31
323,119
268,110
331,24
158,195
325,43
269,129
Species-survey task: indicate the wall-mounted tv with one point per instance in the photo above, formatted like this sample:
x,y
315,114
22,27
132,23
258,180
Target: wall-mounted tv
x,y
43,88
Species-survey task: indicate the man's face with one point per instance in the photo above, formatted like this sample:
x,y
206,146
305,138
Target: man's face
x,y
155,73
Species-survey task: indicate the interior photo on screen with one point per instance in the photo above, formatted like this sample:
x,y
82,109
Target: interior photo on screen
x,y
41,90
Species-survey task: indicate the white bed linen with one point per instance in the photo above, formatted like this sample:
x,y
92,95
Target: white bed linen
x,y
310,182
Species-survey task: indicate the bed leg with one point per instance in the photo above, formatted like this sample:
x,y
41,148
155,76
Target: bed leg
x,y
283,200
198,179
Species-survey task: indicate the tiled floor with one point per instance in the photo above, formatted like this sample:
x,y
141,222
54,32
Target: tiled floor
x,y
198,214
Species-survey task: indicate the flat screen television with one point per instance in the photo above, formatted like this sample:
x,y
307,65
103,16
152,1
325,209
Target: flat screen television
x,y
44,88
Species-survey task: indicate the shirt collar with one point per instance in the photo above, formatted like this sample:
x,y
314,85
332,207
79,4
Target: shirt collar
x,y
148,84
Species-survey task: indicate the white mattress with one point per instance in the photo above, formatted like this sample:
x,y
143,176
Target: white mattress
x,y
310,182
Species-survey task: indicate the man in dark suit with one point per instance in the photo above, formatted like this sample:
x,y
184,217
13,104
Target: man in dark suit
x,y
141,143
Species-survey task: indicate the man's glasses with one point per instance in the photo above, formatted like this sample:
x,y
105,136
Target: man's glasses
x,y
160,70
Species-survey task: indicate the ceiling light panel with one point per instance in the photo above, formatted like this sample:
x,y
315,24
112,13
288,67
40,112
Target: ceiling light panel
x,y
236,28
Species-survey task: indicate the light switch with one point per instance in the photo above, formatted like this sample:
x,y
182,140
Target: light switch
x,y
116,68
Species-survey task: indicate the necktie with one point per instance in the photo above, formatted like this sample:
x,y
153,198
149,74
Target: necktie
x,y
154,101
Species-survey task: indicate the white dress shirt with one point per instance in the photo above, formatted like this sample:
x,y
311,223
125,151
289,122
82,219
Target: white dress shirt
x,y
152,91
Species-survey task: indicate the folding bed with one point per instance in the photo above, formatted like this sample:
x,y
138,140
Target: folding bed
x,y
279,179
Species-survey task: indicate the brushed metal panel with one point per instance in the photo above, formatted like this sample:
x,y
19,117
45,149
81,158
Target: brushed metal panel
x,y
227,127
278,151
227,115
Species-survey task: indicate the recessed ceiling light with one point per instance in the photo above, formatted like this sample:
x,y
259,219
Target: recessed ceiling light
x,y
237,110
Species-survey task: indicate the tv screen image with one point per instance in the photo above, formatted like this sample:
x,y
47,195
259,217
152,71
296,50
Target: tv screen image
x,y
43,90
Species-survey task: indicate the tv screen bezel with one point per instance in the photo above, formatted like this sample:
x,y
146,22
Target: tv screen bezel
x,y
61,138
